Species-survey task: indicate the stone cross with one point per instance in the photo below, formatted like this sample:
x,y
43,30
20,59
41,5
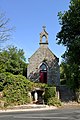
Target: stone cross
x,y
44,27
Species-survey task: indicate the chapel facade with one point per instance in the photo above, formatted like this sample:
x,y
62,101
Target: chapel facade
x,y
43,65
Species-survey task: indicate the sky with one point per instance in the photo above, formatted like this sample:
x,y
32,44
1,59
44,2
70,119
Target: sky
x,y
28,17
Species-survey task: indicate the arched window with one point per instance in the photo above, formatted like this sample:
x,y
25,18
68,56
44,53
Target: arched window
x,y
43,67
43,39
43,73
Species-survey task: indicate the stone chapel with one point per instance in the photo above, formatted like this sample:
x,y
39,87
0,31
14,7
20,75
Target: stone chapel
x,y
43,65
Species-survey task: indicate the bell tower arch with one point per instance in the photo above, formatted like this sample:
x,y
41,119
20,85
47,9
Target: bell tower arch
x,y
43,34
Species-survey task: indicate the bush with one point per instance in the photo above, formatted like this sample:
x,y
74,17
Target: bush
x,y
2,78
54,101
49,93
50,97
16,89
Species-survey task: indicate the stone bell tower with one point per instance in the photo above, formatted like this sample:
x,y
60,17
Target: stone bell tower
x,y
43,34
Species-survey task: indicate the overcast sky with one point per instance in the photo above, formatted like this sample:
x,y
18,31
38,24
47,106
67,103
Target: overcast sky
x,y
28,17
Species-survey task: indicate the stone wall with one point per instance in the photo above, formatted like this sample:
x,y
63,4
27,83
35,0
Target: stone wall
x,y
44,54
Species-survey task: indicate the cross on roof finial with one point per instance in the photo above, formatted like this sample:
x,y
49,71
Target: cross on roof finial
x,y
44,27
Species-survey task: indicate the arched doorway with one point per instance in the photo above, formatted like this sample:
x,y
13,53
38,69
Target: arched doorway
x,y
43,73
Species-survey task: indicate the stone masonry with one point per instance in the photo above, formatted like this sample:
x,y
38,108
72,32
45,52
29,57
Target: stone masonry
x,y
44,56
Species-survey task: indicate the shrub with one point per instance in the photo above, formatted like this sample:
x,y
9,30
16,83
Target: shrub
x,y
16,89
2,78
50,97
49,93
54,101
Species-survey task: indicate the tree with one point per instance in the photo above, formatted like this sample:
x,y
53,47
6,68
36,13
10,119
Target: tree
x,y
5,29
66,75
69,36
12,60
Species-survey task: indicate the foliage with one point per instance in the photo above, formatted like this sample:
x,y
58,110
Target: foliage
x,y
69,36
50,97
1,85
65,74
2,78
54,101
41,85
49,93
62,73
12,60
15,89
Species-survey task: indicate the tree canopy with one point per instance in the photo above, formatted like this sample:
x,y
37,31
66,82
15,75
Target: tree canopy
x,y
69,36
12,60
